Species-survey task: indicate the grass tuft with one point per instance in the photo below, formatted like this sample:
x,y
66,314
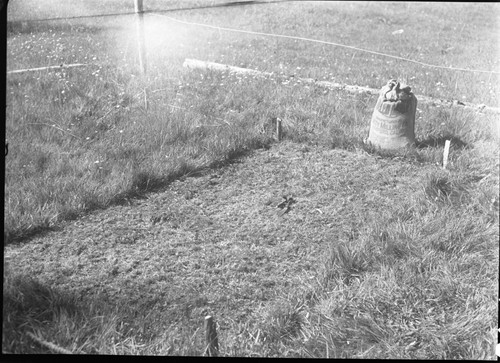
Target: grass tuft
x,y
345,262
282,321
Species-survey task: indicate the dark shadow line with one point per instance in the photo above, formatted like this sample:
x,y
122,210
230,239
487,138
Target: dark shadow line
x,y
440,141
231,3
142,187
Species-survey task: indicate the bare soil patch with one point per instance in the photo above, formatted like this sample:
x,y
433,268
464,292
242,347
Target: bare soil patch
x,y
225,242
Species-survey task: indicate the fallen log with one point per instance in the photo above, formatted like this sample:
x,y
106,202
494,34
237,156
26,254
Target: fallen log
x,y
194,63
198,64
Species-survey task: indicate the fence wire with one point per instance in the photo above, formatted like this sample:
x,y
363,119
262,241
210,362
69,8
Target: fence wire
x,y
158,12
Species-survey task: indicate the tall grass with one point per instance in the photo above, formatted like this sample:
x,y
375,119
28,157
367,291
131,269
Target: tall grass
x,y
412,286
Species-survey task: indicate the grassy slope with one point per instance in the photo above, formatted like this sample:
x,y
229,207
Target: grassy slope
x,y
201,118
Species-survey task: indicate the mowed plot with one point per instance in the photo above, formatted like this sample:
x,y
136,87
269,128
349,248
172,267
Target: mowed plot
x,y
222,243
224,223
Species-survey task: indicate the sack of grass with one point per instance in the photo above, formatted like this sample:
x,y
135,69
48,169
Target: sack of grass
x,y
393,120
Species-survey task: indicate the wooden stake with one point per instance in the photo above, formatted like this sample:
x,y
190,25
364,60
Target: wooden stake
x,y
445,153
138,6
279,129
146,102
212,349
140,35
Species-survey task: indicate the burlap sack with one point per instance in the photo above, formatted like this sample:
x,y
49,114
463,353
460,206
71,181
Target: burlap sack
x,y
393,120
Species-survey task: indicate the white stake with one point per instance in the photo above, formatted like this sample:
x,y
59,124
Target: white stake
x,y
445,153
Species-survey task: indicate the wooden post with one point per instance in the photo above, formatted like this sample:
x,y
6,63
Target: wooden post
x,y
445,153
279,129
140,35
138,6
212,349
141,44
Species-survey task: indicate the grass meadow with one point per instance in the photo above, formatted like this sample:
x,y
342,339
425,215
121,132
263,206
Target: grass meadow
x,y
419,281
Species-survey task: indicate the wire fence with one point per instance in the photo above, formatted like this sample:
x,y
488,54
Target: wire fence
x,y
128,13
327,43
158,13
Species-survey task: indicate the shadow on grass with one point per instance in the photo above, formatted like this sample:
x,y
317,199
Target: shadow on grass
x,y
91,324
29,27
409,154
226,4
412,153
10,238
433,141
26,303
142,184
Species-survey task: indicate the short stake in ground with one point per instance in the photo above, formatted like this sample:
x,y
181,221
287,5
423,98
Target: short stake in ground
x,y
279,129
446,152
212,349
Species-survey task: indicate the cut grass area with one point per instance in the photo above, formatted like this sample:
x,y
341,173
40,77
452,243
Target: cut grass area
x,y
390,257
346,272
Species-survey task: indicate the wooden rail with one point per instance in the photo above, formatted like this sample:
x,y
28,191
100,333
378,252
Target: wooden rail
x,y
47,68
